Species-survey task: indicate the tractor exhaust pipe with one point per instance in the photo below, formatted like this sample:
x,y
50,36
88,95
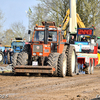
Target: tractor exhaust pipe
x,y
46,33
29,32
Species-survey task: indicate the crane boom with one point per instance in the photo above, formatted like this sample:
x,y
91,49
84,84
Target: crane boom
x,y
66,21
79,22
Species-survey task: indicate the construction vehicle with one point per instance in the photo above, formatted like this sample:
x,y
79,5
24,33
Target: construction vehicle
x,y
66,21
47,53
86,52
67,18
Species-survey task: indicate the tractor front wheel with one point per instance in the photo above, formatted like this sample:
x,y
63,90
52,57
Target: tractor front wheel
x,y
53,61
22,58
14,61
71,59
62,65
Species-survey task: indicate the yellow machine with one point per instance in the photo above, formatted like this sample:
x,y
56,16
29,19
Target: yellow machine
x,y
98,58
66,20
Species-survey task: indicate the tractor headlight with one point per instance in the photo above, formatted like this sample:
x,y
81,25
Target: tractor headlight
x,y
34,53
40,54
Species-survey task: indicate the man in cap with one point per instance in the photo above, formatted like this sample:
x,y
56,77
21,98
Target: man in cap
x,y
84,39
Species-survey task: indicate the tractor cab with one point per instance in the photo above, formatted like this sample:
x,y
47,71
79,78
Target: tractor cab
x,y
17,45
46,39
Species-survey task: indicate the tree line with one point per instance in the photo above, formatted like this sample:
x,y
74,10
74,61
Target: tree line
x,y
17,29
53,10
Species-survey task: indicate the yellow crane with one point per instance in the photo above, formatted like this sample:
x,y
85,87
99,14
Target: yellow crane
x,y
66,20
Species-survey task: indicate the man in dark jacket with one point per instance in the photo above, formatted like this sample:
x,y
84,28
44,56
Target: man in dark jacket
x,y
5,52
11,54
71,41
84,39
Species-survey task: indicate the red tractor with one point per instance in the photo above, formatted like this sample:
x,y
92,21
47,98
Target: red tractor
x,y
48,53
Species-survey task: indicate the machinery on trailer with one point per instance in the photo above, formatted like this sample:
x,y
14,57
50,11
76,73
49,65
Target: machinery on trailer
x,y
86,51
47,53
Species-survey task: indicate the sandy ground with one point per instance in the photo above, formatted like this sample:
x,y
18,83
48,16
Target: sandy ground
x,y
79,87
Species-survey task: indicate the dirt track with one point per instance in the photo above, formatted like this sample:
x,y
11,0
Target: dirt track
x,y
79,87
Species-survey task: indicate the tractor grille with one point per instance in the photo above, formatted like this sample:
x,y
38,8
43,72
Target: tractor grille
x,y
37,48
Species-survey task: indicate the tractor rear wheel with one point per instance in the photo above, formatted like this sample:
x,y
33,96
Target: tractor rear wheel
x,y
27,49
1,56
14,61
62,65
53,61
71,58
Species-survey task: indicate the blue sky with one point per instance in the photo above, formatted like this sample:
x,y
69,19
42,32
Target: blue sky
x,y
14,11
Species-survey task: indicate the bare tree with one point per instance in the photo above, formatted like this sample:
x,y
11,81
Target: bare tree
x,y
1,19
91,12
18,29
56,10
40,14
1,25
8,35
97,31
50,10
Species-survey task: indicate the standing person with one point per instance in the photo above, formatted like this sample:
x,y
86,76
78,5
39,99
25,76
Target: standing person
x,y
11,54
71,41
5,52
84,39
